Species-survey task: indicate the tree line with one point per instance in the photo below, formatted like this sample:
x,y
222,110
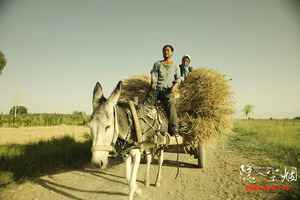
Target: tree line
x,y
43,119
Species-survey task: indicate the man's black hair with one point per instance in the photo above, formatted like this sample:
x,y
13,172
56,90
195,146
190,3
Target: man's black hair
x,y
168,45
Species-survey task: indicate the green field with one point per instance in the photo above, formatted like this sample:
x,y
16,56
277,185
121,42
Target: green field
x,y
43,119
270,143
279,140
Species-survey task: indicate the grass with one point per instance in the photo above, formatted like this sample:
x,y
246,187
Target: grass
x,y
18,162
270,143
277,139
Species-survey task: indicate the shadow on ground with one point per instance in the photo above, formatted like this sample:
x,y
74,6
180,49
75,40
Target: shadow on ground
x,y
62,189
44,157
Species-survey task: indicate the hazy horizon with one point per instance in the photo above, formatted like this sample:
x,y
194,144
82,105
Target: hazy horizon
x,y
57,50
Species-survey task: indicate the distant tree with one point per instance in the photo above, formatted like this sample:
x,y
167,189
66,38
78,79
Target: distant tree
x,y
78,113
17,110
80,116
247,110
2,62
297,118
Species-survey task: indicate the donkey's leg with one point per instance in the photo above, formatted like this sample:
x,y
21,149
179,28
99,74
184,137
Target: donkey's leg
x,y
136,158
160,162
147,174
128,167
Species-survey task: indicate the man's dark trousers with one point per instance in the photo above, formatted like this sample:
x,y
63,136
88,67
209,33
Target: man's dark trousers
x,y
168,102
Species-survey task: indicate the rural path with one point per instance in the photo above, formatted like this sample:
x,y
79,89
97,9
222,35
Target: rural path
x,y
218,181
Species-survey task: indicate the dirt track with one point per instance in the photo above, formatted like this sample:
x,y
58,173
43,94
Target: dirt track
x,y
219,180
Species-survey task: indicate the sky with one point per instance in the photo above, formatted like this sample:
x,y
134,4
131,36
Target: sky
x,y
57,49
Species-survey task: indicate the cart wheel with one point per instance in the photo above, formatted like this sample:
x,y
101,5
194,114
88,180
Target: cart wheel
x,y
201,155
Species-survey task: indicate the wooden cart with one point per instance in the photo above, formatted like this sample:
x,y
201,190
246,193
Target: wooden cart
x,y
199,153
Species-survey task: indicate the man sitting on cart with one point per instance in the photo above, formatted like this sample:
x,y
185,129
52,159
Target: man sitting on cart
x,y
164,75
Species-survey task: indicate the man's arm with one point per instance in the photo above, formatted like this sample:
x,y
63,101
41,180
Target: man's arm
x,y
177,80
177,75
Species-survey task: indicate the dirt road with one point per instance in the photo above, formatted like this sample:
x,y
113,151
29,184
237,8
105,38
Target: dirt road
x,y
218,181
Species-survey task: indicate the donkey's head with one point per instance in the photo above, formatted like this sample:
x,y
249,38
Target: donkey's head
x,y
103,124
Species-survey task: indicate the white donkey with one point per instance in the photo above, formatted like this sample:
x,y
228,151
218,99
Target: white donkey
x,y
109,122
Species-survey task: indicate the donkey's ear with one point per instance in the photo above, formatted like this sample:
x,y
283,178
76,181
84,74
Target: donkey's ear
x,y
115,95
97,94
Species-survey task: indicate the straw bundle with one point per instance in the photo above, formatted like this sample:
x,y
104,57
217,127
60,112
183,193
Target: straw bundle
x,y
135,86
204,104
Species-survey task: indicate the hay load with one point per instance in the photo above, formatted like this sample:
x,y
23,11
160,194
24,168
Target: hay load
x,y
135,86
204,105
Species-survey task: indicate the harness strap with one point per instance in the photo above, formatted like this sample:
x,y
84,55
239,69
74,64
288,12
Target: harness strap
x,y
137,126
116,127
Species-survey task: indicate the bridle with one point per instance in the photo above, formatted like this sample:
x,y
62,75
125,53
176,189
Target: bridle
x,y
109,148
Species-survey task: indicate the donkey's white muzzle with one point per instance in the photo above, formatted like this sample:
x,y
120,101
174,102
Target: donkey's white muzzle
x,y
100,159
